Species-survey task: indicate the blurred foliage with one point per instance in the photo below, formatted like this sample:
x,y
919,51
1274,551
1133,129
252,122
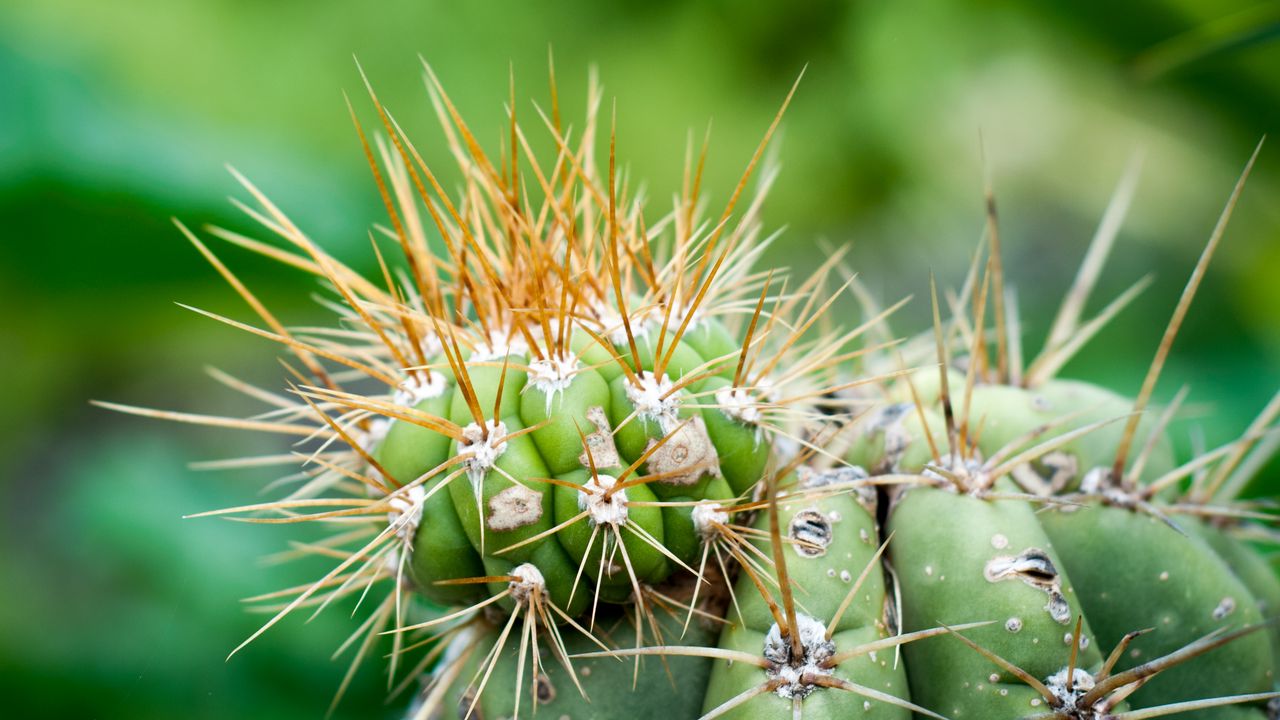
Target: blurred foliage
x,y
116,116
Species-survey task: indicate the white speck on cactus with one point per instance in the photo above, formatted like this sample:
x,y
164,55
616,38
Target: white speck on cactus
x,y
500,344
796,672
420,385
514,507
406,511
1224,608
526,582
462,641
370,438
612,327
1095,481
970,475
391,561
654,400
1068,699
738,404
482,447
553,375
679,310
705,514
430,344
603,507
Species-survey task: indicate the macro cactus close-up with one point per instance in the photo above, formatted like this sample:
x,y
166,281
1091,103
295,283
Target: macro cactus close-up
x,y
579,455
672,361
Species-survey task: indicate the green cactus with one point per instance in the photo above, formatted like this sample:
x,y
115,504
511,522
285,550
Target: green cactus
x,y
596,464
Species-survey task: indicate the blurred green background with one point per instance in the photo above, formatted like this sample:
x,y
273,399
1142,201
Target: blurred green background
x,y
116,116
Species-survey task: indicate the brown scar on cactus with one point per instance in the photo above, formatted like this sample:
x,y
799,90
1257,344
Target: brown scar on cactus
x,y
515,507
598,446
687,455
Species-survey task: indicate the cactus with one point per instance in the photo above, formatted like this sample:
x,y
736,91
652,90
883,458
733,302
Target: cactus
x,y
581,460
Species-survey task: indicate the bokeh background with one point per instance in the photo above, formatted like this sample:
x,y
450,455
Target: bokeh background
x,y
115,116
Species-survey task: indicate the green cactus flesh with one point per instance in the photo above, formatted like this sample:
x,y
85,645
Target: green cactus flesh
x,y
612,688
506,511
1132,569
1249,566
831,542
959,559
